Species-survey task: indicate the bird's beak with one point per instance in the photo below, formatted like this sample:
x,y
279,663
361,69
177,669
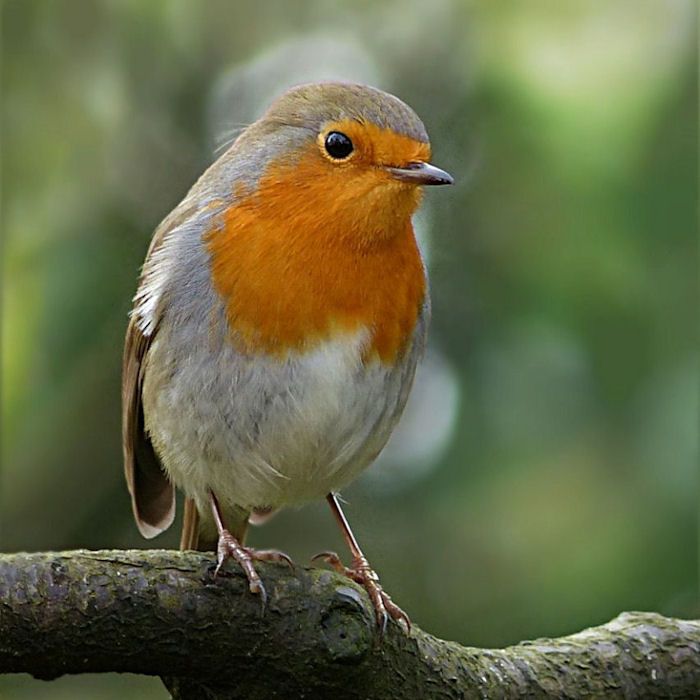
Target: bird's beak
x,y
422,174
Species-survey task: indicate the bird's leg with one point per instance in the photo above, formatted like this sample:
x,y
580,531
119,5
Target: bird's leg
x,y
230,548
362,572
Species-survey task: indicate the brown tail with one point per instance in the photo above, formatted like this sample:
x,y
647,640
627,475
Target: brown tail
x,y
189,539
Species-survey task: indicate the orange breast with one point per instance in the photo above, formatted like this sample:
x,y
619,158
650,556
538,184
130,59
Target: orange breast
x,y
297,265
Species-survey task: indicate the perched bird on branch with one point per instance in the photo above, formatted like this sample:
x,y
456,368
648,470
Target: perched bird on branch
x,y
279,317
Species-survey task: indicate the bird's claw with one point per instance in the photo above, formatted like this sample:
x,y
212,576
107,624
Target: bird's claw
x,y
361,572
230,548
272,555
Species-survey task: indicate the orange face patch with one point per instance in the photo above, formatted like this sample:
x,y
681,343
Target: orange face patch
x,y
376,146
322,248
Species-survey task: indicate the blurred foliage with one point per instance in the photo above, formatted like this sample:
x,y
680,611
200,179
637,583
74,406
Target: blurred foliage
x,y
564,274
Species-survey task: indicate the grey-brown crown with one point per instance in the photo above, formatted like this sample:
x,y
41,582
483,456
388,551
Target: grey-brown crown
x,y
315,104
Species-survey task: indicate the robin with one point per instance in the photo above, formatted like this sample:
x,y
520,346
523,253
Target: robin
x,y
279,317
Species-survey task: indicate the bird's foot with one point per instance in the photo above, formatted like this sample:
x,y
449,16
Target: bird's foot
x,y
361,572
230,548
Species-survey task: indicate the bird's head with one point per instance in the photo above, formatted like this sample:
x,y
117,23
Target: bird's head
x,y
348,159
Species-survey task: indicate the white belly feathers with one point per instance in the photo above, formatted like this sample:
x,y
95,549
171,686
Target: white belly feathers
x,y
264,432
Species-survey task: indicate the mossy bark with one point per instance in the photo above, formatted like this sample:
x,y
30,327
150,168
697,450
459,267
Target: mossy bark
x,y
163,613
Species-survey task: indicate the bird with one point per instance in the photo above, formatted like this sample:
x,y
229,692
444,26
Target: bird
x,y
280,314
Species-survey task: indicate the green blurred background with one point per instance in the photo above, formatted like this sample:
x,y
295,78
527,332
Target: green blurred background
x,y
545,476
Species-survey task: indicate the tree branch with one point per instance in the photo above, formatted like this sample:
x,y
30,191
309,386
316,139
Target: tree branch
x,y
162,613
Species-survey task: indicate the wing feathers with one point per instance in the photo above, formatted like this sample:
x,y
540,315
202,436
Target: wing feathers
x,y
152,495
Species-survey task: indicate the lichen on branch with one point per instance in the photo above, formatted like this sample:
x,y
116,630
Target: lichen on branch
x,y
162,613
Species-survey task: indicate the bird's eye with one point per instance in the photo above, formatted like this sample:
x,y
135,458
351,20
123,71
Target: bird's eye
x,y
338,145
